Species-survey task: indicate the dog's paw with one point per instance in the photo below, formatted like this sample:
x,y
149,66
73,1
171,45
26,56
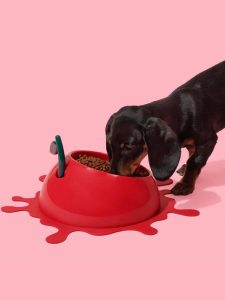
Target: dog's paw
x,y
182,188
182,170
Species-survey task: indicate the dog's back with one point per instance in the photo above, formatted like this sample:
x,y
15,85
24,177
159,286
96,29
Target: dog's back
x,y
210,81
209,90
198,104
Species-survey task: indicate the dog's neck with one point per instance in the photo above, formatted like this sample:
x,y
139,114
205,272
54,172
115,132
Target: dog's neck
x,y
162,109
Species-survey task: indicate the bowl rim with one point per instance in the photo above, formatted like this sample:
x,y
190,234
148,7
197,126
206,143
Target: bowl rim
x,y
94,153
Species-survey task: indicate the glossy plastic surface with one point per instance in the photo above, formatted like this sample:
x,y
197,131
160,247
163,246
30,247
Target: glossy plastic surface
x,y
90,198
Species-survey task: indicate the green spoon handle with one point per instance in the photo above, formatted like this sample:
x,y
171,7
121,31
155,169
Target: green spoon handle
x,y
61,156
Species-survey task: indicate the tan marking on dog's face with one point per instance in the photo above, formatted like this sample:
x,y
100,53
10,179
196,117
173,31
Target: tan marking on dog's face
x,y
187,142
190,145
129,170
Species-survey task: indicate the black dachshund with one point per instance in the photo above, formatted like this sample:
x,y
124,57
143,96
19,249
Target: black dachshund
x,y
189,117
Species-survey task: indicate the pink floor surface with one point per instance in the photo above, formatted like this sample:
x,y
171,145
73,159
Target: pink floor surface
x,y
65,67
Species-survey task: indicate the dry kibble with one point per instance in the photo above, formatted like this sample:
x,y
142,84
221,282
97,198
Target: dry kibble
x,y
93,162
103,165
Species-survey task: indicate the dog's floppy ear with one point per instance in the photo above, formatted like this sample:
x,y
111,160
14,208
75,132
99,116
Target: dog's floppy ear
x,y
163,148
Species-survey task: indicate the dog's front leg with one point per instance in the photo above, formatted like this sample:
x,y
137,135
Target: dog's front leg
x,y
193,168
191,150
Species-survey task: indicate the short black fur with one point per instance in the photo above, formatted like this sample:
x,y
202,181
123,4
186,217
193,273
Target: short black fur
x,y
189,117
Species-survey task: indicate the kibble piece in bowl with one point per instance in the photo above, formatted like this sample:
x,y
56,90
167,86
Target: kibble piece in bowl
x,y
103,165
94,162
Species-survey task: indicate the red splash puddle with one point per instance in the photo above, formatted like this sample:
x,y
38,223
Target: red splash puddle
x,y
32,207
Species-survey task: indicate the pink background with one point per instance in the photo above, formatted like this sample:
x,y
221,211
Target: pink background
x,y
65,67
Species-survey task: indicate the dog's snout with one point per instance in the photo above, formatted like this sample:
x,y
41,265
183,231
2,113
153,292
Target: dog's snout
x,y
122,170
113,169
117,168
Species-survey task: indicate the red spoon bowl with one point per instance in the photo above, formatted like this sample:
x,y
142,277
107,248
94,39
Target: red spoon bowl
x,y
87,197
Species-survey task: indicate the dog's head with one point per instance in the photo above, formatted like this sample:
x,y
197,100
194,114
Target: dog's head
x,y
130,137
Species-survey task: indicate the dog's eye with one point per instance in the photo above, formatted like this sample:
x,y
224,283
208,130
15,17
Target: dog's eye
x,y
127,147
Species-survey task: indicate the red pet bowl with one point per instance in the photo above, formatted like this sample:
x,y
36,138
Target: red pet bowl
x,y
87,197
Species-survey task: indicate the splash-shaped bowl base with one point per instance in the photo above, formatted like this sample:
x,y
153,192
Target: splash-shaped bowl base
x,y
33,208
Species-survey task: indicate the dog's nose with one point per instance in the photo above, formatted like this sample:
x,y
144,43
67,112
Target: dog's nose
x,y
113,170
